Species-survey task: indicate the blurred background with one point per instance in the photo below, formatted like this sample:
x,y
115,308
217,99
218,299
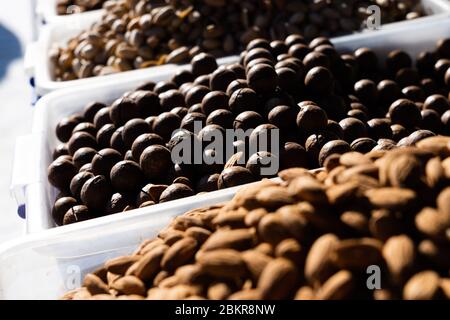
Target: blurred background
x,y
16,30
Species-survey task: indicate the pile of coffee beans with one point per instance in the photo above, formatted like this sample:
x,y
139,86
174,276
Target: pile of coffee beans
x,y
64,7
117,157
136,34
327,235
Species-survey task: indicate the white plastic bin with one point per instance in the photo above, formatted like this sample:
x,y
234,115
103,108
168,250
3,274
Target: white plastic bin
x,y
60,30
33,154
46,265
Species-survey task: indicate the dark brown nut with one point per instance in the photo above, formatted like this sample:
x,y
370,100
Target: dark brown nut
x,y
176,191
77,183
203,63
319,80
123,110
143,141
311,119
79,140
126,176
334,146
104,135
60,208
96,192
405,113
247,120
234,176
65,127
262,79
60,172
85,127
221,78
214,100
244,99
77,214
133,129
104,160
165,124
353,129
155,161
83,156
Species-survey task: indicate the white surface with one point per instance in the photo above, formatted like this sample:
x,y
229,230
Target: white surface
x,y
16,111
51,263
60,30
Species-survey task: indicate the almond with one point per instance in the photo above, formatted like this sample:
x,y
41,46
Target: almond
x,y
305,293
435,174
271,229
249,294
294,222
443,204
432,223
198,233
351,159
254,216
218,291
256,262
357,253
278,279
274,197
356,221
129,285
121,264
239,239
392,198
436,254
306,188
405,171
399,254
290,249
318,265
438,145
148,266
340,194
226,263
337,287
292,173
422,286
94,284
445,287
233,219
179,253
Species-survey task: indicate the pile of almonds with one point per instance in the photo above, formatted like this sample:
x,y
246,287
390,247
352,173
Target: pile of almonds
x,y
135,34
310,235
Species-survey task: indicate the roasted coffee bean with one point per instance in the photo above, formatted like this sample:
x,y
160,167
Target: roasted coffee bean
x,y
126,176
214,100
96,192
60,208
155,161
60,172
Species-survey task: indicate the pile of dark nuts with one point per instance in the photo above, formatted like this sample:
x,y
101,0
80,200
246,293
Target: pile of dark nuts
x,y
118,157
65,7
139,34
314,235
